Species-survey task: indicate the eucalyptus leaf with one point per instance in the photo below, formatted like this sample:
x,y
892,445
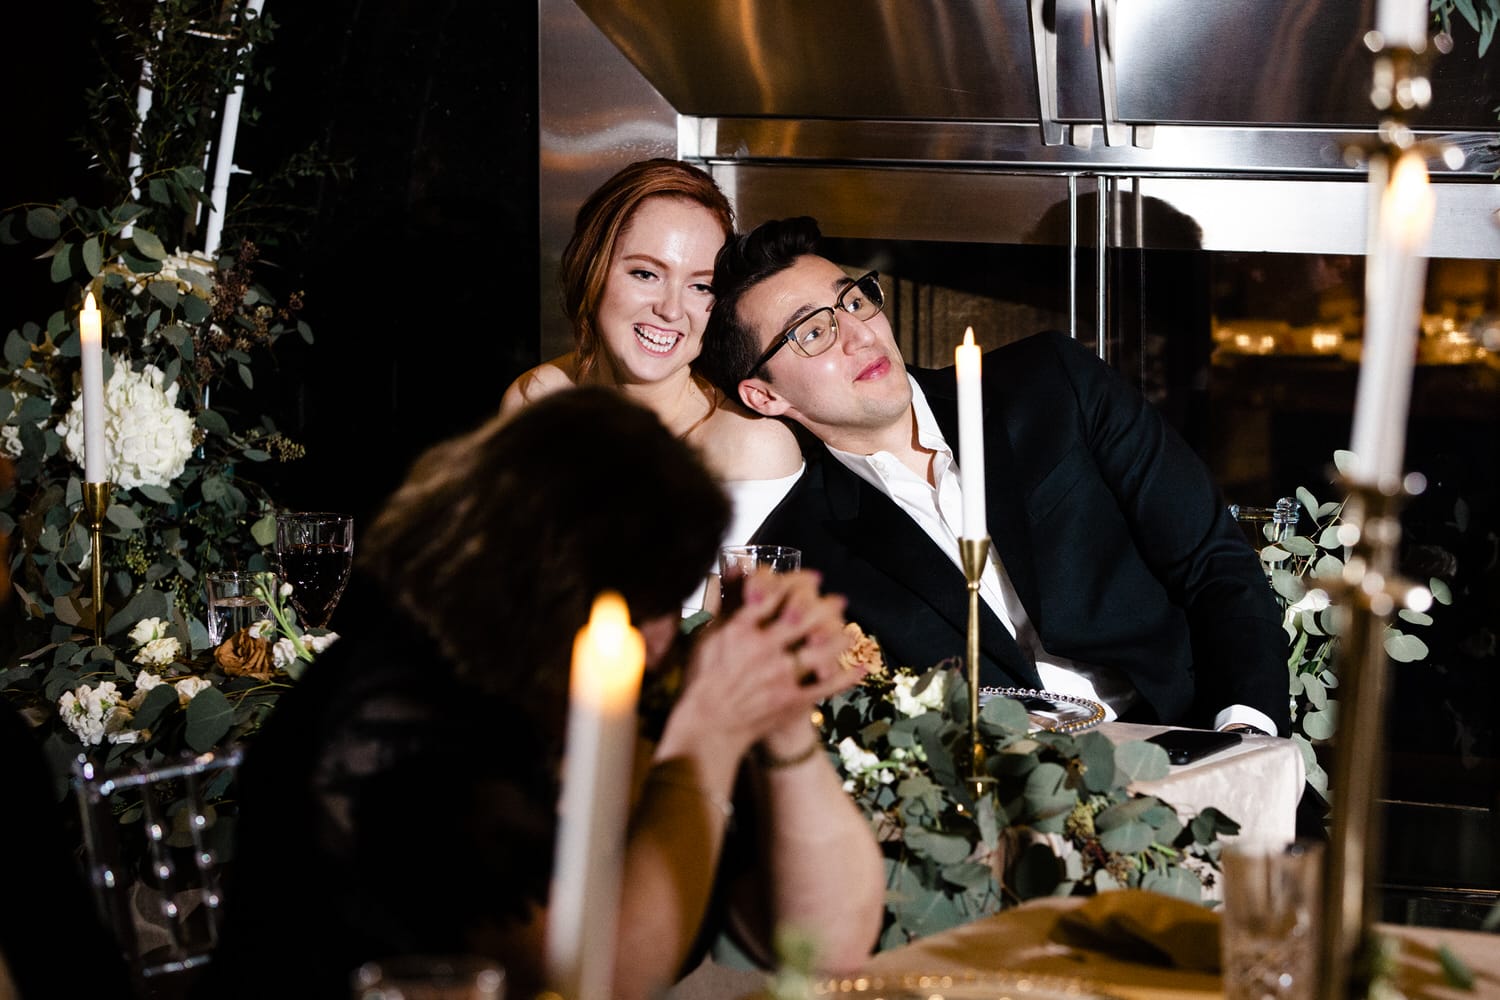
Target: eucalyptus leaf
x,y
1441,592
1329,567
17,349
1404,648
1308,501
93,256
1299,545
164,292
62,265
1320,725
209,716
1415,617
194,309
1173,882
213,422
1141,761
1123,813
123,517
148,244
42,223
1129,838
945,849
156,703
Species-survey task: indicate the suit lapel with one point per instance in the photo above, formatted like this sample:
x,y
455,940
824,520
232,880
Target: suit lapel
x,y
869,522
1005,506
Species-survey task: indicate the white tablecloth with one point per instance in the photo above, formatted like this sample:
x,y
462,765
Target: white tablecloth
x,y
1257,783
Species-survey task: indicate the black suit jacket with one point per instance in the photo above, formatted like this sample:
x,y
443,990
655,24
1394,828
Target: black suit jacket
x,y
1109,526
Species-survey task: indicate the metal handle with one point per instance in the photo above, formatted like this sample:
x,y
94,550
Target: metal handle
x,y
1044,62
1116,132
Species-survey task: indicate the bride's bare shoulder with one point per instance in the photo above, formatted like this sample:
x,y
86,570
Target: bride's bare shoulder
x,y
740,444
543,380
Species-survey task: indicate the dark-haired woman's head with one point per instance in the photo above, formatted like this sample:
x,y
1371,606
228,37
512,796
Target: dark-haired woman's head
x,y
499,540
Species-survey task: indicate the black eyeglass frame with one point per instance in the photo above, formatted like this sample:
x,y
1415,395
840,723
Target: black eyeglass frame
x,y
785,337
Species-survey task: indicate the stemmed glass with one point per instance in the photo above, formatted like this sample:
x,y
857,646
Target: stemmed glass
x,y
314,553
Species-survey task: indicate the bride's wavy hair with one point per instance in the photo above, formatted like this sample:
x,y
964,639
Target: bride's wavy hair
x,y
601,219
499,540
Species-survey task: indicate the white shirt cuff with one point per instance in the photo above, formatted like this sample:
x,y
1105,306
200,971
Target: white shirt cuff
x,y
1247,715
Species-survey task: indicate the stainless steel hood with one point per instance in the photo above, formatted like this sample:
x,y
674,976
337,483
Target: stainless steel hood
x,y
969,120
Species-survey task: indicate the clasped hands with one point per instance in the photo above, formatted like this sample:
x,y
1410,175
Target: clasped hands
x,y
759,672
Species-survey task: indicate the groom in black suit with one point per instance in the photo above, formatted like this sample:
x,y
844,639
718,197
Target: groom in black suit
x,y
1116,571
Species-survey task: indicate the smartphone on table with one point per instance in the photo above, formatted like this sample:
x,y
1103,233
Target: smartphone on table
x,y
1183,746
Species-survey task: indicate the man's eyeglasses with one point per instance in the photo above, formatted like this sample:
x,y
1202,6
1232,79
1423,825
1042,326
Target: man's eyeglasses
x,y
818,330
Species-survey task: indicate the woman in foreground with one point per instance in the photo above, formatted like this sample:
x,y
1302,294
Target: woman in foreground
x,y
401,798
636,287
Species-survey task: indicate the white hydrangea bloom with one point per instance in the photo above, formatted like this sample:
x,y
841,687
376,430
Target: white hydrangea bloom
x,y
283,653
929,700
158,652
147,437
84,711
10,441
857,760
145,680
188,688
318,643
147,629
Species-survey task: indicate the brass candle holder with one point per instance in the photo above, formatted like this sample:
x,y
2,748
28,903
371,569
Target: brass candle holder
x,y
96,498
1370,592
974,553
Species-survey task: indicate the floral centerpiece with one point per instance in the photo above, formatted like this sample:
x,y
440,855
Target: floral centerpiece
x,y
184,335
165,700
1054,815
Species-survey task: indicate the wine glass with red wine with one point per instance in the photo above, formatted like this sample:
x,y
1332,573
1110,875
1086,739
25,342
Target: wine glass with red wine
x,y
314,553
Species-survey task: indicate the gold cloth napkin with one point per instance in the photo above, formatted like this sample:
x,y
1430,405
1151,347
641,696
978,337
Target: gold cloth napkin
x,y
1147,927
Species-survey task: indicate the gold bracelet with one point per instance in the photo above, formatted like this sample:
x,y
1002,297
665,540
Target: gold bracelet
x,y
771,762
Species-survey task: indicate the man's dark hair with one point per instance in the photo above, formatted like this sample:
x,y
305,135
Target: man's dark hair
x,y
730,346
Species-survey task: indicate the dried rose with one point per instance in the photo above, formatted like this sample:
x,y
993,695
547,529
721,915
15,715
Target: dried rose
x,y
244,654
863,652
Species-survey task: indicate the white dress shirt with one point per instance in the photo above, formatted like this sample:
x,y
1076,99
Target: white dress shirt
x,y
937,508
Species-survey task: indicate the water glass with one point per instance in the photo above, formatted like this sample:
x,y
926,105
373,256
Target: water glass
x,y
429,977
1271,916
233,603
738,561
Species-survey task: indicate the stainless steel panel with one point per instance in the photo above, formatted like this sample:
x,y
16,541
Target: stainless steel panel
x,y
1289,62
920,59
1211,213
1197,149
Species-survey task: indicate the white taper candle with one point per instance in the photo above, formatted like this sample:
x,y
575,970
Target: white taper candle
x,y
92,357
968,360
609,658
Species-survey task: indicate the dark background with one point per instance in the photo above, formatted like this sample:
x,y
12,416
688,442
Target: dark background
x,y
417,259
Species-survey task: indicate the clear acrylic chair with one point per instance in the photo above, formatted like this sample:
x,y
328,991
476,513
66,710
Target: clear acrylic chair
x,y
152,851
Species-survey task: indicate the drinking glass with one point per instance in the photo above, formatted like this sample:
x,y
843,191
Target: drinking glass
x,y
1272,910
233,603
314,553
429,977
738,561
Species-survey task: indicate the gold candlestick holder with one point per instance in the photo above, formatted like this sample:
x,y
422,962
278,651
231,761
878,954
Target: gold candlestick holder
x,y
1370,592
975,553
95,505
